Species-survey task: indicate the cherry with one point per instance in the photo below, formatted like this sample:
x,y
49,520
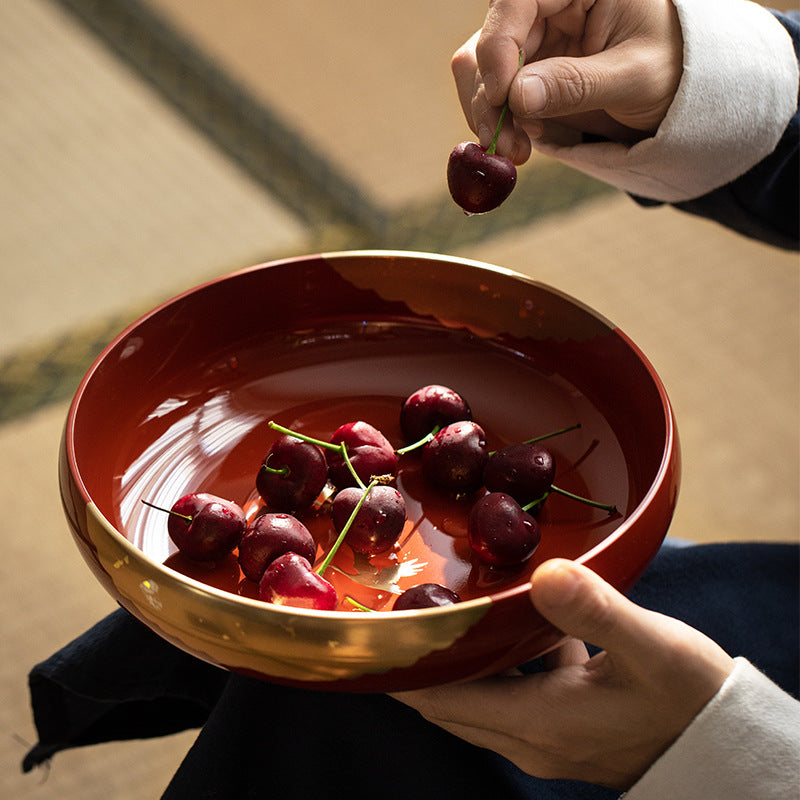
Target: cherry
x,y
500,532
270,536
425,595
293,474
378,523
454,458
525,471
429,408
368,451
479,180
204,527
290,581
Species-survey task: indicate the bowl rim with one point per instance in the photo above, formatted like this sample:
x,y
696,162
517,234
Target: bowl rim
x,y
467,606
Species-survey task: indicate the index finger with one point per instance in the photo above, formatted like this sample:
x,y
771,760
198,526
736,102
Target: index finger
x,y
510,26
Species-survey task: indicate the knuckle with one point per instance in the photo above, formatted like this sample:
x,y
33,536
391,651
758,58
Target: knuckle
x,y
462,61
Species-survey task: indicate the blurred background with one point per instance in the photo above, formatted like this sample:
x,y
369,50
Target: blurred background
x,y
149,145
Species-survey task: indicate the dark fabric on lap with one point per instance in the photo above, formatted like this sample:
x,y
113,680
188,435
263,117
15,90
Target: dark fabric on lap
x,y
119,681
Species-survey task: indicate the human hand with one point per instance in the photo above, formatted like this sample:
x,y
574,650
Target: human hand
x,y
604,67
603,719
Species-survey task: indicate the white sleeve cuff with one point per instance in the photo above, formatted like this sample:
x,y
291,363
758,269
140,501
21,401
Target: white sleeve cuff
x,y
744,744
736,96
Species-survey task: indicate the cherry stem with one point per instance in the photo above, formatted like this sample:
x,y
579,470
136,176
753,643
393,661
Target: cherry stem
x,y
359,606
610,508
284,470
536,502
350,466
332,552
420,443
547,436
303,438
339,448
493,146
554,433
168,511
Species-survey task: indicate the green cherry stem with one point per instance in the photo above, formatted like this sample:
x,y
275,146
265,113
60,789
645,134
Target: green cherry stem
x,y
359,606
610,508
420,443
554,433
303,438
168,511
320,570
284,470
547,436
493,146
350,466
536,502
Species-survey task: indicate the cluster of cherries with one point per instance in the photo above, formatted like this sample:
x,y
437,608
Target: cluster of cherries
x,y
357,465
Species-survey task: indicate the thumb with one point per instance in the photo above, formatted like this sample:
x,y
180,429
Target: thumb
x,y
583,605
557,87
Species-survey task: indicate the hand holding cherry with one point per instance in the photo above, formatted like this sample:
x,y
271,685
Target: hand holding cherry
x,y
478,178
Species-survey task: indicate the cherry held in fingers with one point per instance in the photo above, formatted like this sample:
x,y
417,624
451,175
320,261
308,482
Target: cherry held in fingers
x,y
500,532
478,180
270,536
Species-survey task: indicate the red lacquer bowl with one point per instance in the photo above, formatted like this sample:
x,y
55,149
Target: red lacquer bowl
x,y
180,401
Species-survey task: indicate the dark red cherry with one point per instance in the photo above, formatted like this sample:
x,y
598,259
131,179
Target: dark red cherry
x,y
525,471
377,524
292,475
205,527
425,595
454,459
479,181
270,536
430,407
290,581
500,532
369,452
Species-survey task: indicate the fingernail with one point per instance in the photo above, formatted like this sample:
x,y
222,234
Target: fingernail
x,y
534,94
485,135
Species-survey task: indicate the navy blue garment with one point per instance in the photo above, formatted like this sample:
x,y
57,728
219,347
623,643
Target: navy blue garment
x,y
764,202
263,740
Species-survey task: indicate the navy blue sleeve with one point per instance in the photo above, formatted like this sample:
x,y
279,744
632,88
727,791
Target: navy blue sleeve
x,y
762,203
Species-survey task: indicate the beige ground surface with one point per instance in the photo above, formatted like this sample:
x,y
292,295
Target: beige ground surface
x,y
112,200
